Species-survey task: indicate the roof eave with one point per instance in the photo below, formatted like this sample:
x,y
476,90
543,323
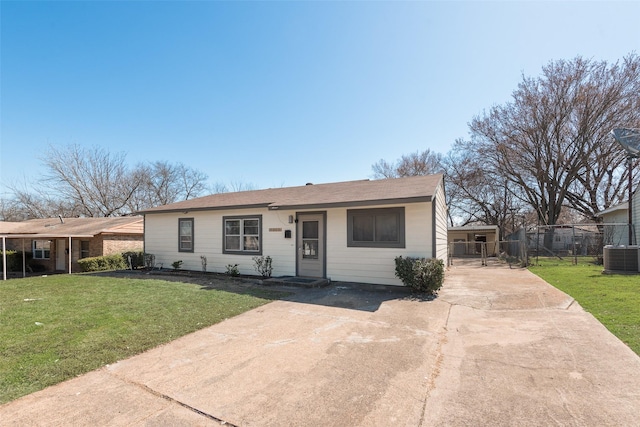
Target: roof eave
x,y
37,236
204,208
404,200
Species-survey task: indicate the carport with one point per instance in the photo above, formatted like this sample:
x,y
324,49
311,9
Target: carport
x,y
66,251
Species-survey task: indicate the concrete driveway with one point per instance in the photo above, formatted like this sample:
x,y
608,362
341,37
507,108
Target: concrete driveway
x,y
497,347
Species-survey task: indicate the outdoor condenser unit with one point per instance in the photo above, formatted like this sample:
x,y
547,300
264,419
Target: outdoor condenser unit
x,y
620,259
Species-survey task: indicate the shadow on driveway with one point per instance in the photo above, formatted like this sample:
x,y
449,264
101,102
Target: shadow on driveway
x,y
349,295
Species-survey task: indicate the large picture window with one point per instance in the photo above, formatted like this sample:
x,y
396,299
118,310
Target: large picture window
x,y
41,249
185,235
376,228
242,235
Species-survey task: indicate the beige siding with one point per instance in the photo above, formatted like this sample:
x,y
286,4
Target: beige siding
x,y
440,221
367,265
618,234
375,265
161,240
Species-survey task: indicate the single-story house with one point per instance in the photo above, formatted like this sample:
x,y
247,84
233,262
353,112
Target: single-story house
x,y
615,224
344,231
468,239
56,244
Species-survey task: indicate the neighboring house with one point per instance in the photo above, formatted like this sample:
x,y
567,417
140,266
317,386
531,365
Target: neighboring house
x,y
615,226
345,231
468,239
51,240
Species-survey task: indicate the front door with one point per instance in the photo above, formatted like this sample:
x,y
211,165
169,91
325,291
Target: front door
x,y
60,254
310,244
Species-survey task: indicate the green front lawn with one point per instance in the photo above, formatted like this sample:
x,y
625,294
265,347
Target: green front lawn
x,y
57,327
614,299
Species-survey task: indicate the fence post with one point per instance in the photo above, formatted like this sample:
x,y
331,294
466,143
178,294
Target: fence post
x,y
483,253
575,256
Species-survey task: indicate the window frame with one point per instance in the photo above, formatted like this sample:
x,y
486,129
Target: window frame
x,y
242,219
42,250
85,253
180,221
399,212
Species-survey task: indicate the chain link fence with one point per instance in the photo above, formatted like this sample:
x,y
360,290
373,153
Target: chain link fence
x,y
562,241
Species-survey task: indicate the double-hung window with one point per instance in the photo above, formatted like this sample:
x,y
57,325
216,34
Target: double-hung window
x,y
376,228
185,235
41,249
242,235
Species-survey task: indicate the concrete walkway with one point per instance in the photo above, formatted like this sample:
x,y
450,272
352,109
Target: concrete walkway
x,y
497,347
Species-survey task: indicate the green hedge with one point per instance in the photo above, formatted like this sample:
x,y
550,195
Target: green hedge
x,y
137,258
101,263
421,274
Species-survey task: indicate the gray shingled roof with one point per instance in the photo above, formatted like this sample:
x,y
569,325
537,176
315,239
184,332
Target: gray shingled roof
x,y
73,227
350,193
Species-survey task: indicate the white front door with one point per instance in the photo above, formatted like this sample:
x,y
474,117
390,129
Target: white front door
x,y
310,244
60,254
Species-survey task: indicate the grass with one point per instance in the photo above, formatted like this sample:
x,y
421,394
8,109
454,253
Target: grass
x,y
58,327
614,299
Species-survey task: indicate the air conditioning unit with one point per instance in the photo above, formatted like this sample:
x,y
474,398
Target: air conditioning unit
x,y
620,259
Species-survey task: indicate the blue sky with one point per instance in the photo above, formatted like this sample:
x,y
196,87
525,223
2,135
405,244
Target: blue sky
x,y
276,93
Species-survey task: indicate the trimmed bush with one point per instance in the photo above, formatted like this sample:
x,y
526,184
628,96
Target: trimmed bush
x,y
420,274
137,258
102,263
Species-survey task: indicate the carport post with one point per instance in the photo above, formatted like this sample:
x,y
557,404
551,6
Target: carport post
x,y
4,258
70,254
24,261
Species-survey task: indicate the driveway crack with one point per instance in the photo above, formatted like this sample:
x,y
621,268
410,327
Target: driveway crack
x,y
435,373
172,400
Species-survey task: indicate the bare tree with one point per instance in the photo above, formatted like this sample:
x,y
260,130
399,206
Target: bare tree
x,y
414,164
162,183
550,141
9,211
477,194
93,182
94,179
26,203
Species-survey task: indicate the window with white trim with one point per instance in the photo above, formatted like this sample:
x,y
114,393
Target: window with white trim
x,y
376,228
185,235
242,235
41,249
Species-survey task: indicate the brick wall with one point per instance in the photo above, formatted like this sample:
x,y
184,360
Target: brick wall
x,y
121,243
